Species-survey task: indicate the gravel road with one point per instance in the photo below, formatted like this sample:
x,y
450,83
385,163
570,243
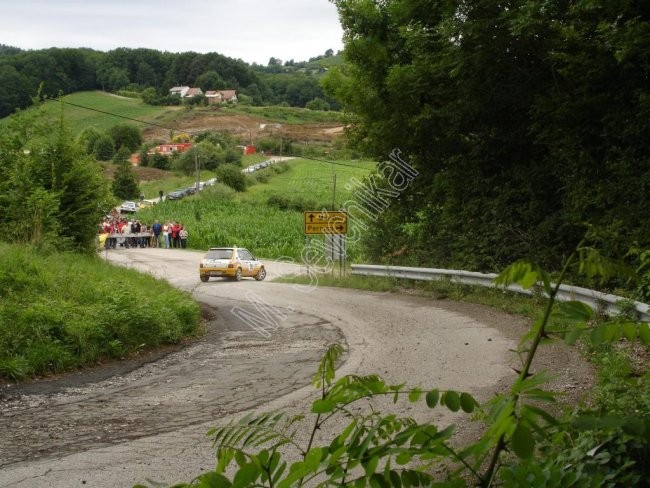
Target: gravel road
x,y
146,418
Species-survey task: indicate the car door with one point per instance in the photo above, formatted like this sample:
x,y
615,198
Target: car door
x,y
247,262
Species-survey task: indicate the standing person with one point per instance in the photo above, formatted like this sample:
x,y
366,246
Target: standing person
x,y
165,231
183,236
135,230
157,229
176,241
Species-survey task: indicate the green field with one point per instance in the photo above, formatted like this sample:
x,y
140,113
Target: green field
x,y
313,180
246,219
78,118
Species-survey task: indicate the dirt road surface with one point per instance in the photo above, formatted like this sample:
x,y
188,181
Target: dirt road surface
x,y
145,419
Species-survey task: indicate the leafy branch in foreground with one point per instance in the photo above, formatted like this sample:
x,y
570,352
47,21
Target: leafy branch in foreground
x,y
277,450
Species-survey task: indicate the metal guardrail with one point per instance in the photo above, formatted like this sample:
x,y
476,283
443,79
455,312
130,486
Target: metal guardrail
x,y
594,299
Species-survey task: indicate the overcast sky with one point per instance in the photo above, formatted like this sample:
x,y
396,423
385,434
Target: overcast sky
x,y
253,30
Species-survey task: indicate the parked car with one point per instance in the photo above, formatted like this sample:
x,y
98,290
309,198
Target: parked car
x,y
146,203
128,207
175,195
231,262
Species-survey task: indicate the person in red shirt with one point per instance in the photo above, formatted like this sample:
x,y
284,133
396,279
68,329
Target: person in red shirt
x,y
176,240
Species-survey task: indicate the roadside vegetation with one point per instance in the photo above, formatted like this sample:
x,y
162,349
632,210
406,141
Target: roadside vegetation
x,y
61,307
61,311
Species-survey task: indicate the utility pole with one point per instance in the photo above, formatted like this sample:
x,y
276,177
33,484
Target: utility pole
x,y
198,172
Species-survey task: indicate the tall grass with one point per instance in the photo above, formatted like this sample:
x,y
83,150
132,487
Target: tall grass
x,y
214,221
313,180
62,311
219,218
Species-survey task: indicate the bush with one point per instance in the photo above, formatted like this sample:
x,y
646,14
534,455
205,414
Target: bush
x,y
219,191
232,176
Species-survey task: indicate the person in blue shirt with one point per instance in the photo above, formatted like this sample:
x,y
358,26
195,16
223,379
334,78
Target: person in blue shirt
x,y
156,228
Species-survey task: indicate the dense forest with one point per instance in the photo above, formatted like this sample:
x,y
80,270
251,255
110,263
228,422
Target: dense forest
x,y
50,72
529,125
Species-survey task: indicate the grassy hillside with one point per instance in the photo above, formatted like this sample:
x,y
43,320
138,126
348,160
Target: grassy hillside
x,y
79,118
312,180
62,311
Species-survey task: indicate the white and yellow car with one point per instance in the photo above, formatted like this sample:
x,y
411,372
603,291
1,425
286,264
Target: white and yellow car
x,y
231,262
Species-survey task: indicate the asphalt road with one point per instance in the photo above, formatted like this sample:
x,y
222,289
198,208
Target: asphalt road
x,y
147,420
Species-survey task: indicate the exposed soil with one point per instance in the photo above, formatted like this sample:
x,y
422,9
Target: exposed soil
x,y
246,127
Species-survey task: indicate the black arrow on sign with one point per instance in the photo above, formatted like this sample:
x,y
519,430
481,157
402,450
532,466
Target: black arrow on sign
x,y
311,217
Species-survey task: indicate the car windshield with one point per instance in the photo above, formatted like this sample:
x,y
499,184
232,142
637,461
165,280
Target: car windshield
x,y
219,254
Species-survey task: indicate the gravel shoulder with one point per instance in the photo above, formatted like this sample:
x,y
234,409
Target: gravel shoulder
x,y
146,418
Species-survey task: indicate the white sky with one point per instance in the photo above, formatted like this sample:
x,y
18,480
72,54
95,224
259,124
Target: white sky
x,y
253,30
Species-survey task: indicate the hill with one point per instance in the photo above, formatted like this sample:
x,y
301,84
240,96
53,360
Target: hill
x,y
103,110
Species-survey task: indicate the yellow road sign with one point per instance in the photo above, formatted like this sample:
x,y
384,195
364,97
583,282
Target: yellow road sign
x,y
325,222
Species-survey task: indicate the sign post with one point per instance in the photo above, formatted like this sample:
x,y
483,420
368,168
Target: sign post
x,y
322,222
334,226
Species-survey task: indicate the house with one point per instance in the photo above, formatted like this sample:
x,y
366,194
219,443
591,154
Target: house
x,y
167,149
229,96
181,91
213,96
221,96
193,92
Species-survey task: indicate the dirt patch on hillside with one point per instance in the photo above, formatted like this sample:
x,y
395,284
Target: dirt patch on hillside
x,y
142,173
245,127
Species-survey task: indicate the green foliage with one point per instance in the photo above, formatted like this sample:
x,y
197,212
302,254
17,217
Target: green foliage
x,y
88,138
51,193
125,183
317,104
231,175
122,155
526,122
104,148
125,135
60,311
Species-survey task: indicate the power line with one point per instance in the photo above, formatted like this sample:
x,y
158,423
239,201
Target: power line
x,y
152,124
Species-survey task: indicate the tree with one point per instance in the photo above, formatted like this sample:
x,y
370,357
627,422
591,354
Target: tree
x,y
231,175
51,192
150,96
122,155
317,104
125,184
518,119
211,80
88,138
15,88
104,148
126,135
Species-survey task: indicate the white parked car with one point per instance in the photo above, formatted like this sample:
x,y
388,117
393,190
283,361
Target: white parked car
x,y
128,207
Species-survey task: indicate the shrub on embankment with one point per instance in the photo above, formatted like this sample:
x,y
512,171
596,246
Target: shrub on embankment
x,y
62,311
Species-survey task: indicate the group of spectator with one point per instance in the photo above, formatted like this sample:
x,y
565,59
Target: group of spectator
x,y
128,233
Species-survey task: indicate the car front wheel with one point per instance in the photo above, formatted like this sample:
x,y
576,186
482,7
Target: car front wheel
x,y
204,278
261,274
